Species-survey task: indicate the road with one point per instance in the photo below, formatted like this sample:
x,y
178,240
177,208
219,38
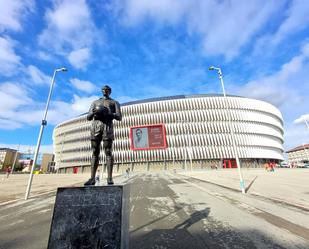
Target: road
x,y
174,211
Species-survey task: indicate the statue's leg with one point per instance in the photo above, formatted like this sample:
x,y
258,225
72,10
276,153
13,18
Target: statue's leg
x,y
95,146
107,145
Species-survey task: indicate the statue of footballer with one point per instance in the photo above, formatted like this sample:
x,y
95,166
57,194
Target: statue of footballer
x,y
102,112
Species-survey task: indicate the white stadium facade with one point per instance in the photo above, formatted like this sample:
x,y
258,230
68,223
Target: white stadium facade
x,y
198,132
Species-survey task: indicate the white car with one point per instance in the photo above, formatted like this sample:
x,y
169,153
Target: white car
x,y
284,165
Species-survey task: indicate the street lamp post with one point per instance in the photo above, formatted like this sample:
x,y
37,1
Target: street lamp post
x,y
43,123
242,183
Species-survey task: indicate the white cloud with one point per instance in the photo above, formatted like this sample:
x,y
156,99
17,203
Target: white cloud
x,y
297,19
267,89
71,23
287,87
31,115
83,85
302,119
61,111
45,56
7,124
288,90
9,61
165,11
12,97
12,13
224,26
81,104
18,109
37,76
79,58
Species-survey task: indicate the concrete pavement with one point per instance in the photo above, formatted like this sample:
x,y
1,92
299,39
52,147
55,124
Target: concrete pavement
x,y
14,187
171,211
290,186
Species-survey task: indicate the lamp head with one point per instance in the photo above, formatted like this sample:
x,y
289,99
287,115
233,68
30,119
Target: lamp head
x,y
63,69
218,69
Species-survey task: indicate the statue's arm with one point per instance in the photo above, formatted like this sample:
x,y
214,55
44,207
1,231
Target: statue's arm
x,y
117,115
90,112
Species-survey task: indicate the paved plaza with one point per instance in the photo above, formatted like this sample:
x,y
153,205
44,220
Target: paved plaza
x,y
290,186
14,187
198,209
287,185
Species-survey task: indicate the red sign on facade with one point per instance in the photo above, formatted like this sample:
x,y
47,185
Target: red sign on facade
x,y
148,137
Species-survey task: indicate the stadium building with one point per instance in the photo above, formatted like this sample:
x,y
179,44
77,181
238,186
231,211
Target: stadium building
x,y
196,133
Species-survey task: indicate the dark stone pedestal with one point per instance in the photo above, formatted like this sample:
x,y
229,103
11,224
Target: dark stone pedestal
x,y
91,218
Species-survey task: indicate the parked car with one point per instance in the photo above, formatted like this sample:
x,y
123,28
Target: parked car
x,y
284,164
306,165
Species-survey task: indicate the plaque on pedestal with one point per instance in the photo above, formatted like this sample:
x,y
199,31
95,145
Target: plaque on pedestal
x,y
91,218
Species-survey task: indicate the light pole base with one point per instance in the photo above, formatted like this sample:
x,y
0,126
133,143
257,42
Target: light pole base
x,y
242,187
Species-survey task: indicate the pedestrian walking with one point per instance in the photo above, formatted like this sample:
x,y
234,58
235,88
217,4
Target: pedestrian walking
x,y
127,173
97,179
272,167
266,166
8,171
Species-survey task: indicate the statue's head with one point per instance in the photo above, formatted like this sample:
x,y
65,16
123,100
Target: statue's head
x,y
106,90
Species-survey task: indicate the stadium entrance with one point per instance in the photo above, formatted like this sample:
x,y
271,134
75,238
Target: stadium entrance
x,y
229,163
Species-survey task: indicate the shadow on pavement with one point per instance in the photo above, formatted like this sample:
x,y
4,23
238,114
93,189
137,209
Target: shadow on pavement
x,y
250,184
178,237
176,209
181,238
192,233
194,218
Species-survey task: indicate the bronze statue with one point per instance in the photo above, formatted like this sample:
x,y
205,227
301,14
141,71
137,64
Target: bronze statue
x,y
102,112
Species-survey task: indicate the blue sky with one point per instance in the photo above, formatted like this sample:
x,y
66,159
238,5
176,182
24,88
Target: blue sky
x,y
145,49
